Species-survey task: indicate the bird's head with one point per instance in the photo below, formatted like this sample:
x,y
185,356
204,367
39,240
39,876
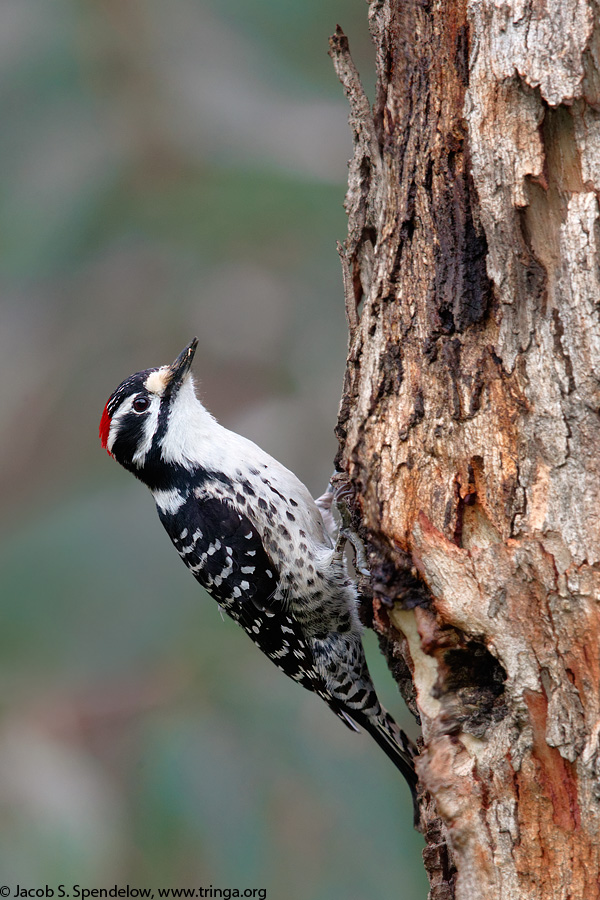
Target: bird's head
x,y
144,408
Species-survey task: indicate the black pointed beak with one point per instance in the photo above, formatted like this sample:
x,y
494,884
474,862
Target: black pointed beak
x,y
179,369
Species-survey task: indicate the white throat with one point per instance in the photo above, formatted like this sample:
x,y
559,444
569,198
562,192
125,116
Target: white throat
x,y
190,439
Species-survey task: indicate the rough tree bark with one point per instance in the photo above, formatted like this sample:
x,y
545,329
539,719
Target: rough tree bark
x,y
470,425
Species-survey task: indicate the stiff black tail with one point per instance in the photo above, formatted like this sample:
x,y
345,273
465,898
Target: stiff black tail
x,y
398,747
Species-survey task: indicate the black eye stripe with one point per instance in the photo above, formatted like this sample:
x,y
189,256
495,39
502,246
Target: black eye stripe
x,y
129,436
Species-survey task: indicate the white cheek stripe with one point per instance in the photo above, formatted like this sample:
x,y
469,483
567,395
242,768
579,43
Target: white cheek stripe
x,y
150,426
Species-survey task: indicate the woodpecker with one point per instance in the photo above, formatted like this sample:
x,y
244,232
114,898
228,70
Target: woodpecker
x,y
253,536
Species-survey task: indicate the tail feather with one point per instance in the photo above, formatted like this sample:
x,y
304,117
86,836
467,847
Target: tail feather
x,y
392,740
397,747
346,719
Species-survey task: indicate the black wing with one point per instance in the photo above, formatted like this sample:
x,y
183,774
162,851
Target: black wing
x,y
224,552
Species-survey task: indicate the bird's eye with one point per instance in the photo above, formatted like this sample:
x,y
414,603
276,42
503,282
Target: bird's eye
x,y
140,404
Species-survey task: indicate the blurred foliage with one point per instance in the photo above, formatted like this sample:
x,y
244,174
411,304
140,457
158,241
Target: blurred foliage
x,y
169,170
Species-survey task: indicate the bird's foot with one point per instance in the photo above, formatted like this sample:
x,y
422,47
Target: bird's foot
x,y
340,493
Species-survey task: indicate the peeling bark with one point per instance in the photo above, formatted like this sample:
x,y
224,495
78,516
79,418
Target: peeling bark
x,y
469,425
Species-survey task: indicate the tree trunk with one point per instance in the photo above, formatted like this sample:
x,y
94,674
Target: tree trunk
x,y
469,425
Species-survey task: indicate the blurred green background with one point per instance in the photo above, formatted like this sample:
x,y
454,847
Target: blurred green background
x,y
171,169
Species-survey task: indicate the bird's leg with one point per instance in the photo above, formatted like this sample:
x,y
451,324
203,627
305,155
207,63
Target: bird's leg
x,y
347,532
